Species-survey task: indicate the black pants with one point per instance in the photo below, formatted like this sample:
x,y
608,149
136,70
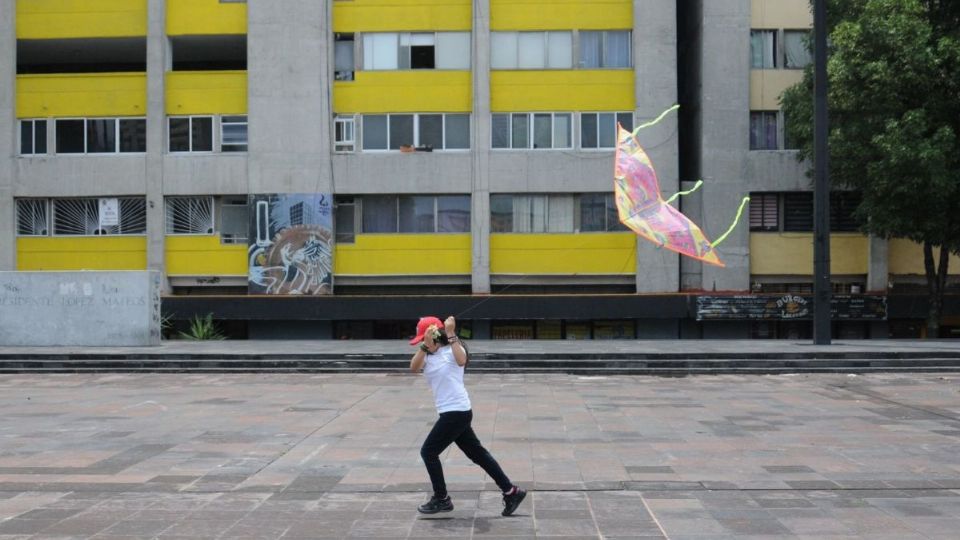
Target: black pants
x,y
454,427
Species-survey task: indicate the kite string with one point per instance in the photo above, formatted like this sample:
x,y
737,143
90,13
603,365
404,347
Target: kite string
x,y
733,225
655,120
687,192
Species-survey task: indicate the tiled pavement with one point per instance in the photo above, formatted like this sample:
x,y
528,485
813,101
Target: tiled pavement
x,y
336,455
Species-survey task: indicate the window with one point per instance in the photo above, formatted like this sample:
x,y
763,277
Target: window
x,y
343,62
843,204
189,215
417,214
33,137
531,50
598,213
82,217
763,49
599,130
426,131
344,138
798,211
795,51
453,213
191,134
416,50
532,213
32,217
536,130
101,135
345,220
405,214
234,220
764,212
233,133
763,130
606,49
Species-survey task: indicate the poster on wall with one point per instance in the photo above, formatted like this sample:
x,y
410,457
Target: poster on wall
x,y
290,248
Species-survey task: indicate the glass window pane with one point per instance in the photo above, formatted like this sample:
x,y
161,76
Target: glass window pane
x,y
616,49
133,135
457,132
401,130
795,50
762,49
179,133
416,214
380,51
591,53
202,134
607,130
431,130
541,131
613,215
343,55
453,213
531,50
500,127
588,130
625,120
374,132
560,213
501,213
379,214
26,137
39,136
520,129
70,135
592,212
560,50
101,135
503,50
453,50
561,130
344,223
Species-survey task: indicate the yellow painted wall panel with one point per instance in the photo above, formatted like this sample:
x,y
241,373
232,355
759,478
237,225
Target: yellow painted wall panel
x,y
81,94
767,85
563,254
560,14
401,15
404,91
906,257
404,254
792,253
562,90
82,253
50,19
781,14
204,256
206,17
205,92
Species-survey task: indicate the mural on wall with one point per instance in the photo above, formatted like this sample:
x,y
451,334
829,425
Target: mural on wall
x,y
291,244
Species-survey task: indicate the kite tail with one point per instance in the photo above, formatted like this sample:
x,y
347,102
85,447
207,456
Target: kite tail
x,y
687,192
655,120
733,225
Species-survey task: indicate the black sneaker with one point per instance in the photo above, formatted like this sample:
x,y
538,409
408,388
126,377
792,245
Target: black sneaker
x,y
436,504
511,502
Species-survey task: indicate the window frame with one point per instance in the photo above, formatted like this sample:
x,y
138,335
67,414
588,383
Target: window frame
x,y
596,114
33,136
808,34
398,48
346,146
417,143
603,49
530,129
357,201
545,35
167,208
246,141
190,118
777,61
778,117
86,139
95,200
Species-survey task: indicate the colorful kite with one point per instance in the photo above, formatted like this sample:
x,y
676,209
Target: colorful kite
x,y
643,210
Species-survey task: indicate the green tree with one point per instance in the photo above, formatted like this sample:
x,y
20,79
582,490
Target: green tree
x,y
894,100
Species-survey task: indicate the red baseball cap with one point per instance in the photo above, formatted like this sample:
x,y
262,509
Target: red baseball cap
x,y
425,322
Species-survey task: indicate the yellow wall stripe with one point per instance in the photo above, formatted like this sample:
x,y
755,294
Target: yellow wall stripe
x,y
404,91
50,19
206,92
82,253
206,17
204,256
404,254
86,94
566,90
792,253
560,14
906,257
767,85
564,254
401,15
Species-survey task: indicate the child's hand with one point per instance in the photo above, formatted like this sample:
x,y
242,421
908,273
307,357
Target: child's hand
x,y
450,325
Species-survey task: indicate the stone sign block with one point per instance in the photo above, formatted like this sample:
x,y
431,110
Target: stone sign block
x,y
80,308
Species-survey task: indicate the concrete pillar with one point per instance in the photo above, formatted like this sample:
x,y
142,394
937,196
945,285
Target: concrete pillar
x,y
655,88
480,189
878,256
156,144
8,134
289,98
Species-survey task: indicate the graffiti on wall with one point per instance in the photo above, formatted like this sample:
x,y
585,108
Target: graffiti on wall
x,y
290,250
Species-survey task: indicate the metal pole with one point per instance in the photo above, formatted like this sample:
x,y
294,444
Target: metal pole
x,y
821,196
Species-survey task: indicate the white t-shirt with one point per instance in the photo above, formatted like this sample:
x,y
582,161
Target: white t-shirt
x,y
446,381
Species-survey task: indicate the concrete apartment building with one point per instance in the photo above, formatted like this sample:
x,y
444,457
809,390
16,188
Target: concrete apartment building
x,y
467,148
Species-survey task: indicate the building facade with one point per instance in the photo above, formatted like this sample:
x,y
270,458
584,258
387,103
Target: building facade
x,y
466,148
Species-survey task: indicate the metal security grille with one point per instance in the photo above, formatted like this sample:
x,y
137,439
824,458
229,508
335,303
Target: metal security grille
x,y
189,215
32,217
764,214
80,217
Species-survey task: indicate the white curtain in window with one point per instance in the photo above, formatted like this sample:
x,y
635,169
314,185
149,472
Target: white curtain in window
x,y
562,128
590,49
560,50
503,50
343,55
762,49
616,50
453,50
795,49
538,213
561,213
380,51
530,46
521,213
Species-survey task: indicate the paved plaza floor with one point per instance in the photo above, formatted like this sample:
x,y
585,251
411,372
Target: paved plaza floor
x,y
246,456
